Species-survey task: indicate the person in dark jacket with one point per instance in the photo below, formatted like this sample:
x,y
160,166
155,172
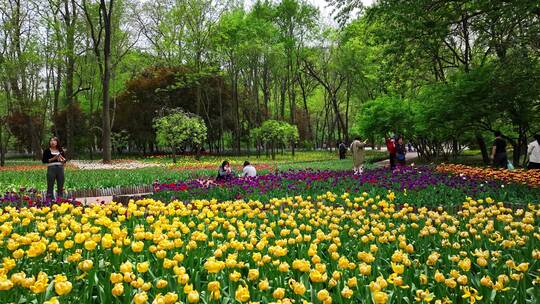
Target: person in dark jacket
x,y
55,158
401,152
498,152
224,171
342,150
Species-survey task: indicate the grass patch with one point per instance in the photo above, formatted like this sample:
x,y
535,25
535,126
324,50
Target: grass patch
x,y
29,177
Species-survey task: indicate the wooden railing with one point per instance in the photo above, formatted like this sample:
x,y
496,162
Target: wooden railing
x,y
113,191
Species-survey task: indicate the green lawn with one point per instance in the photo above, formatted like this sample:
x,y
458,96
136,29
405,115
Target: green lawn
x,y
186,168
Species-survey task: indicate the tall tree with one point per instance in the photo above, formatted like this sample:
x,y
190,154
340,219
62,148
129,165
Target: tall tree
x,y
102,51
22,63
296,22
323,66
228,39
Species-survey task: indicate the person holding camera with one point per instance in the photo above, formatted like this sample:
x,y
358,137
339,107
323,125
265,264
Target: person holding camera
x,y
55,158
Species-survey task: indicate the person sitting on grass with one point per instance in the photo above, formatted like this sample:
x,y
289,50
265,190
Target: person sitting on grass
x,y
249,170
224,171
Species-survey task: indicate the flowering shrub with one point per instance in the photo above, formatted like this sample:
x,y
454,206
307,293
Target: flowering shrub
x,y
325,249
180,130
520,176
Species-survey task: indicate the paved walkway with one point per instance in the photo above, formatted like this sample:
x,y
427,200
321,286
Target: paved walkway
x,y
94,200
409,157
107,199
115,165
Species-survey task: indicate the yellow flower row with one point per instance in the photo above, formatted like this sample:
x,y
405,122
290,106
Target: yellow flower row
x,y
331,248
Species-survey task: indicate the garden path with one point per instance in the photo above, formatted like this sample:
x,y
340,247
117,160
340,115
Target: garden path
x,y
115,165
87,201
410,156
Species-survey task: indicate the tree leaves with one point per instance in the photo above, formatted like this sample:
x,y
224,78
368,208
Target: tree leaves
x,y
180,130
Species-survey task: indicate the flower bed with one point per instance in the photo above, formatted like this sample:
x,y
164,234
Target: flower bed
x,y
520,176
237,166
30,198
145,171
29,167
437,188
350,248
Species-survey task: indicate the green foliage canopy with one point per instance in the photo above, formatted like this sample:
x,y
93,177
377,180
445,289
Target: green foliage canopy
x,y
179,130
383,115
276,132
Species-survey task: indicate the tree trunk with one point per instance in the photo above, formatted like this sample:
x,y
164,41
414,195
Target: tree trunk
x,y
292,92
221,122
69,19
21,91
340,122
57,88
348,99
282,99
306,110
36,145
198,89
106,140
255,89
2,151
266,91
483,149
455,148
236,111
467,52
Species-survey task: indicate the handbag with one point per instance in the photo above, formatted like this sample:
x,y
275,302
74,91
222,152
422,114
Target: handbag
x,y
510,166
400,156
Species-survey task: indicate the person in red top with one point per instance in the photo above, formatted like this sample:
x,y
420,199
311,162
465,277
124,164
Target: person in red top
x,y
391,147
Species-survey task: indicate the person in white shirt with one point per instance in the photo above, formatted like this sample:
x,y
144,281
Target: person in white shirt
x,y
533,151
249,170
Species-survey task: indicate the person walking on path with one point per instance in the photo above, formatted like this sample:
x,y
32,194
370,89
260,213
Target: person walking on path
x,y
533,152
391,148
249,170
409,147
55,158
358,155
401,151
342,150
498,152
